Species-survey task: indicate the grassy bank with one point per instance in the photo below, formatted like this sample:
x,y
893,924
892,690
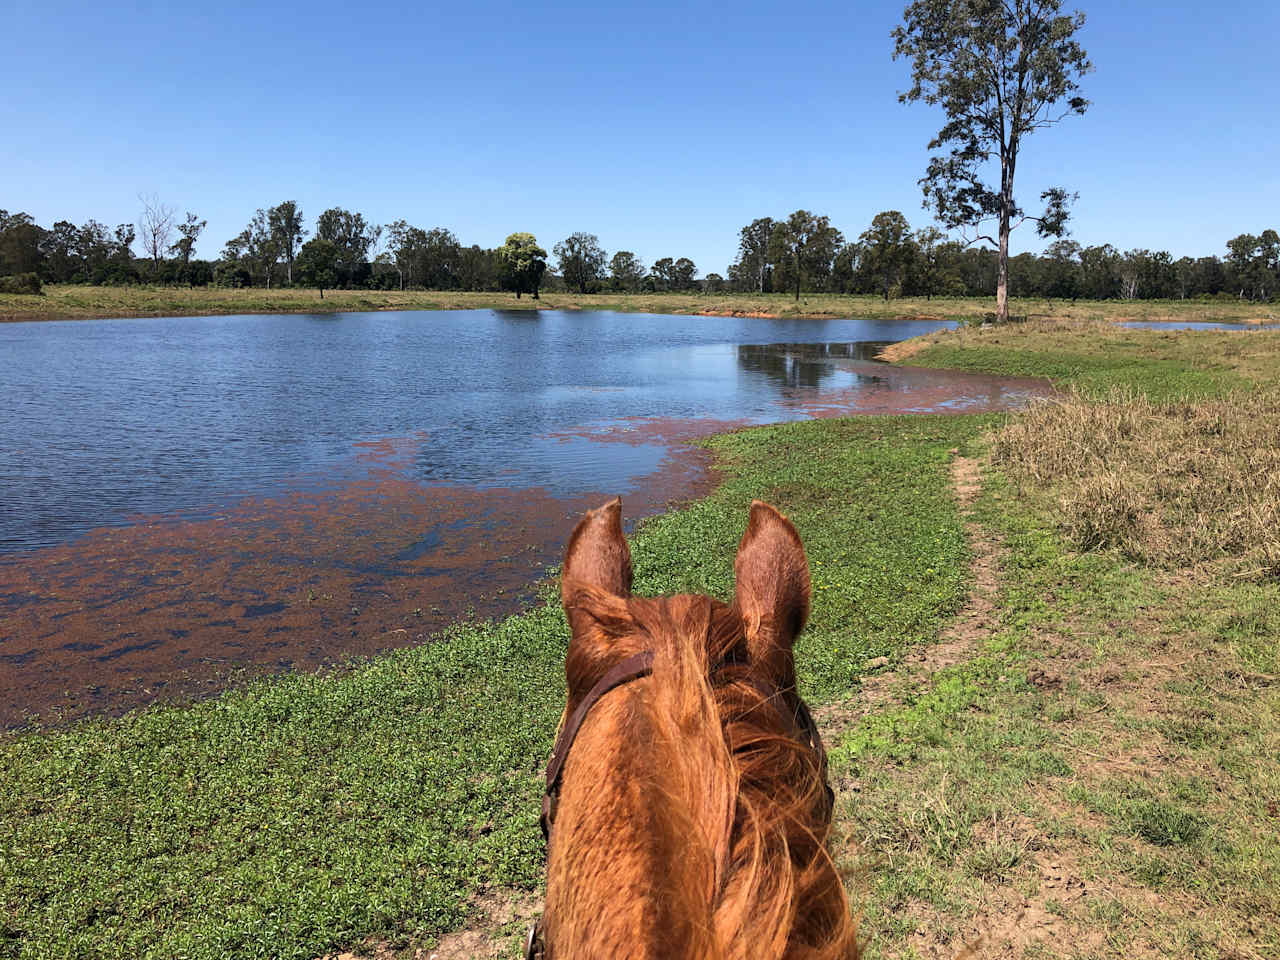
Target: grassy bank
x,y
1096,357
1096,771
1097,776
67,301
304,813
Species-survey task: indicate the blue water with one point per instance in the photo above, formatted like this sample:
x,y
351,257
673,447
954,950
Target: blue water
x,y
1190,325
105,420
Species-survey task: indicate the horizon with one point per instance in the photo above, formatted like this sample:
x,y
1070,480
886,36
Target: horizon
x,y
623,103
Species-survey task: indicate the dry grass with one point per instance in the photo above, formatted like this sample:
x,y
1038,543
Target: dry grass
x,y
1173,484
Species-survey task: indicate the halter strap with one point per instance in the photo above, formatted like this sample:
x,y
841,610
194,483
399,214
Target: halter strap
x,y
633,668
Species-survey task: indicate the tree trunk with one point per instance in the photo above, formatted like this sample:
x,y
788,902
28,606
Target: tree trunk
x,y
1002,271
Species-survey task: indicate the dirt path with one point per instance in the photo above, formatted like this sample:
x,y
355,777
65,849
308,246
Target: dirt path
x,y
956,641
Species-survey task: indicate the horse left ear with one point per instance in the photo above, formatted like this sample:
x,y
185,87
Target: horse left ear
x,y
598,555
596,579
772,589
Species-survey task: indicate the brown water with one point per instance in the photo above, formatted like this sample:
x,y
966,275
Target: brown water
x,y
191,500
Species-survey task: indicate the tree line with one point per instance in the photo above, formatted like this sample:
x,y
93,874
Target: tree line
x,y
341,250
805,252
802,253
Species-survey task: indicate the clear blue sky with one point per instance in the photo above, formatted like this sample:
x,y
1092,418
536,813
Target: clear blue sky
x,y
661,127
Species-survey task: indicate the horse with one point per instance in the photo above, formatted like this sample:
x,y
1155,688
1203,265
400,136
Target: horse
x,y
687,807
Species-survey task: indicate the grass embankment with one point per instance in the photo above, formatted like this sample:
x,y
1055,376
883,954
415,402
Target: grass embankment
x,y
1099,776
304,814
70,301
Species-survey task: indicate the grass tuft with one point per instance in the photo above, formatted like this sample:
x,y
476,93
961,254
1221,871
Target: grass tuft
x,y
1169,483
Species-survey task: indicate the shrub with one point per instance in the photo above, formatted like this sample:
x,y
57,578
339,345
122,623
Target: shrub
x,y
26,283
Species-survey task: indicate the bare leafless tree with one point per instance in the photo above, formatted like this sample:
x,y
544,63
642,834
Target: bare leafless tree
x,y
156,228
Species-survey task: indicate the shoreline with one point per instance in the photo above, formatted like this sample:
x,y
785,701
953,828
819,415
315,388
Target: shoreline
x,y
68,302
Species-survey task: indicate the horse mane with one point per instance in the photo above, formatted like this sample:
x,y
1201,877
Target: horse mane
x,y
702,821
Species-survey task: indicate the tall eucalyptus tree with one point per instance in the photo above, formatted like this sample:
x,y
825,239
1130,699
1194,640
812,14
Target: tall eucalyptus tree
x,y
1001,70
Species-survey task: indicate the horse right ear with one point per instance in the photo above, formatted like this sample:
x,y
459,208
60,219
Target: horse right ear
x,y
771,592
597,560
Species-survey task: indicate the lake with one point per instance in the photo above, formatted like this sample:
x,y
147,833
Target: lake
x,y
185,498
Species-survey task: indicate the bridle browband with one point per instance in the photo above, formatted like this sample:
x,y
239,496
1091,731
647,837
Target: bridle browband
x,y
634,667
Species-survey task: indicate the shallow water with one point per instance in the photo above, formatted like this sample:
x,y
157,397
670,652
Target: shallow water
x,y
185,498
1191,325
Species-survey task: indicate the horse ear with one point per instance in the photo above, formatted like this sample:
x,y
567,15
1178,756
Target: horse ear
x,y
597,556
772,590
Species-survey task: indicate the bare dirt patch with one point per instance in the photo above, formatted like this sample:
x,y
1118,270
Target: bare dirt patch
x,y
496,930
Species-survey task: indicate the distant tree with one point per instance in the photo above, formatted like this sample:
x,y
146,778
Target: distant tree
x,y
999,69
887,250
155,224
662,273
21,242
1253,263
1062,271
61,260
479,269
1024,275
582,260
439,253
1099,272
285,223
262,249
523,263
682,273
318,263
713,283
402,241
804,245
1159,276
95,250
1208,277
189,232
232,270
753,252
352,235
625,270
844,268
384,276
120,267
929,244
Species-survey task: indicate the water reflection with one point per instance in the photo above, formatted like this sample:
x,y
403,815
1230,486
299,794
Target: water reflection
x,y
809,365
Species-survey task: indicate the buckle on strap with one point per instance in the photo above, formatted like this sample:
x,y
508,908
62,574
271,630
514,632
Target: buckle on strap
x,y
535,948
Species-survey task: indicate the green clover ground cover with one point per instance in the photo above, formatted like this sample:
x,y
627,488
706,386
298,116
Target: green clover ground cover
x,y
305,813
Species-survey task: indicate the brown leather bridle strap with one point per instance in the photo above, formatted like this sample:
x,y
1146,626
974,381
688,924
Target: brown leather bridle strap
x,y
632,668
809,727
